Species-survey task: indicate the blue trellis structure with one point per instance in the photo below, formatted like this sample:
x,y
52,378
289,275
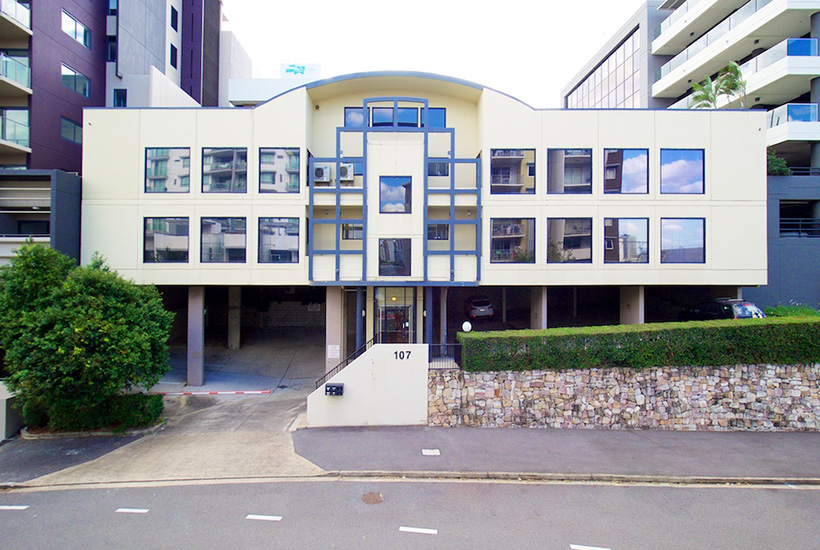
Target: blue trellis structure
x,y
337,191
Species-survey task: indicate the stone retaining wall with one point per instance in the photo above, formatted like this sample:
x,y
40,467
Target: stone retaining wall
x,y
742,397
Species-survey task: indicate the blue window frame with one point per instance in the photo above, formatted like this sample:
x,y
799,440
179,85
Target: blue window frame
x,y
436,117
438,167
683,240
682,171
354,117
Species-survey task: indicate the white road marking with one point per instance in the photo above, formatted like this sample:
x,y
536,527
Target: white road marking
x,y
430,452
131,510
419,530
581,547
263,518
10,507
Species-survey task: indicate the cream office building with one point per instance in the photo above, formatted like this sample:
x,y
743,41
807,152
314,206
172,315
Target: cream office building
x,y
380,204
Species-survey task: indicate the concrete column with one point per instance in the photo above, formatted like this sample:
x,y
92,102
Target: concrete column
x,y
234,316
504,304
632,305
360,317
815,25
196,335
443,316
334,326
538,307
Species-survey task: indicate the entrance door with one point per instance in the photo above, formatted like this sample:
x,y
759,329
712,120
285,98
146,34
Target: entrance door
x,y
395,324
395,315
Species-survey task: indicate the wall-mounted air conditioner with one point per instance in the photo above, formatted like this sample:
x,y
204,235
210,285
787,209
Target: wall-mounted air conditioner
x,y
321,173
346,172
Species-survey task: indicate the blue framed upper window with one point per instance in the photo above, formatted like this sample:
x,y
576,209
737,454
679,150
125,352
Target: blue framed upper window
x,y
682,171
395,194
405,117
436,117
354,117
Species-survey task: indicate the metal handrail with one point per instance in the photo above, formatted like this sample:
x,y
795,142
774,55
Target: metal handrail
x,y
349,359
804,170
800,227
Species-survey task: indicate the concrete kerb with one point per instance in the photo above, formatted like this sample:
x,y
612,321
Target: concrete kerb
x,y
26,434
451,476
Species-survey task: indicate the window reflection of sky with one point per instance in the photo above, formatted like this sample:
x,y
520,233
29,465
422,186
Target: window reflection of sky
x,y
681,233
635,171
682,171
394,194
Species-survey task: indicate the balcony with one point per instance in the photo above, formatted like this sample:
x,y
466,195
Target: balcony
x,y
792,122
15,20
14,135
15,77
800,227
690,19
758,24
782,72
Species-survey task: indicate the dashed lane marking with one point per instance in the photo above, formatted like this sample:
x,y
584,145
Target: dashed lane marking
x,y
419,530
263,518
12,507
430,452
131,510
581,547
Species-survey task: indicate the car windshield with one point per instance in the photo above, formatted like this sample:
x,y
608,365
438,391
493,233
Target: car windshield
x,y
481,303
747,311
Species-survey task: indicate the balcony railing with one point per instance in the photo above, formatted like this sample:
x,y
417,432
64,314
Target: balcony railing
x,y
800,227
17,11
792,112
15,70
675,16
791,47
711,37
13,131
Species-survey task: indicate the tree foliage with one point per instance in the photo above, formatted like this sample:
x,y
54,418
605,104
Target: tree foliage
x,y
776,166
704,95
729,82
77,337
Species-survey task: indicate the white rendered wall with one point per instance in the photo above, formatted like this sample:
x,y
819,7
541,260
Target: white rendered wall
x,y
386,386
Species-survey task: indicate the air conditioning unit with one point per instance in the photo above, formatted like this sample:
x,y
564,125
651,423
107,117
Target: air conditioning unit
x,y
346,172
321,173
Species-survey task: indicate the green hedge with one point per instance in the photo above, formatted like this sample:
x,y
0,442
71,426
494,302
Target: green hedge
x,y
698,343
118,413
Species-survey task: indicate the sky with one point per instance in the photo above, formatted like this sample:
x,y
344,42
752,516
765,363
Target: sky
x,y
527,49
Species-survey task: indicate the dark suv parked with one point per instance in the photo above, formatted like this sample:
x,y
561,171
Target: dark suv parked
x,y
722,308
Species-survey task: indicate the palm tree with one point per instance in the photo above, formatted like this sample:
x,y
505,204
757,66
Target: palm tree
x,y
730,83
704,95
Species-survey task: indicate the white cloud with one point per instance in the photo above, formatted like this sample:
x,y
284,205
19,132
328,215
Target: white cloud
x,y
682,176
391,207
634,174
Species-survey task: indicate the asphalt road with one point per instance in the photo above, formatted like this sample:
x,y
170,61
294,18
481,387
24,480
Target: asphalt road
x,y
413,515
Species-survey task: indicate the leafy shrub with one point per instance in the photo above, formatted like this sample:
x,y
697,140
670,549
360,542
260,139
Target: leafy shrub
x,y
776,166
77,337
120,412
697,343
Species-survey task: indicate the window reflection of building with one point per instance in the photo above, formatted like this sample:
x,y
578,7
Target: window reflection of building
x,y
395,317
279,170
394,257
512,240
512,171
279,240
570,240
165,240
683,240
569,171
167,170
626,240
225,170
223,240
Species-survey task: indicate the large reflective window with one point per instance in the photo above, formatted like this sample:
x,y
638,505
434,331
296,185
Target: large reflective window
x,y
626,240
682,171
614,83
279,170
223,240
167,169
279,240
683,240
512,171
225,170
165,240
570,240
395,194
512,240
394,257
626,171
569,171
354,117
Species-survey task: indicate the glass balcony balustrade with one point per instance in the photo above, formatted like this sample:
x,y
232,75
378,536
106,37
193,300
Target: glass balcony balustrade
x,y
675,16
712,37
15,70
14,126
791,47
17,11
792,112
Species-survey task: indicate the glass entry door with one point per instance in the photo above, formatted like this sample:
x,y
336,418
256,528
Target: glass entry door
x,y
395,315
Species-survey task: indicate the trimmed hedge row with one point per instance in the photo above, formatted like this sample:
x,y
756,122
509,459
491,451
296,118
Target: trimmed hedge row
x,y
787,340
121,412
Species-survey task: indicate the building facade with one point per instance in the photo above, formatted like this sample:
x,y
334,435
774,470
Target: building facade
x,y
383,203
775,43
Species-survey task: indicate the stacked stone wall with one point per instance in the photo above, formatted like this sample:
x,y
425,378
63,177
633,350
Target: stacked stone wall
x,y
742,397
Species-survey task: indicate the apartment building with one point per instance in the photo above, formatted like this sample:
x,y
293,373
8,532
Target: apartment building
x,y
60,57
676,44
378,205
